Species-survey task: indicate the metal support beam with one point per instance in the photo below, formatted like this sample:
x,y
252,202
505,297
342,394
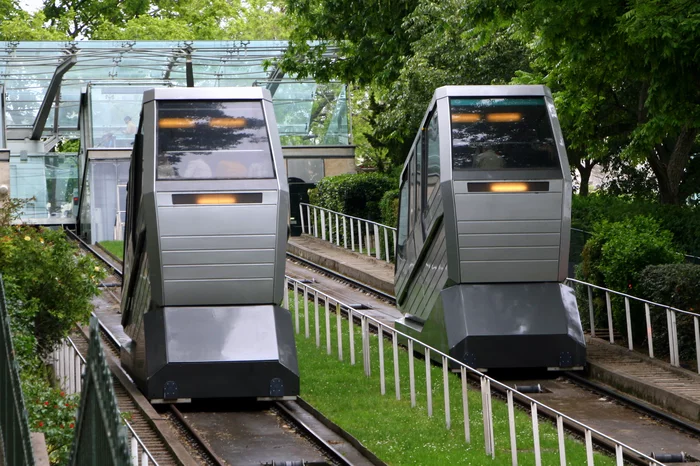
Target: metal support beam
x,y
276,76
189,70
51,93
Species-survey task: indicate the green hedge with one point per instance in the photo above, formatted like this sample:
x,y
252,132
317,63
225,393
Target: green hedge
x,y
389,206
676,285
682,221
615,256
358,194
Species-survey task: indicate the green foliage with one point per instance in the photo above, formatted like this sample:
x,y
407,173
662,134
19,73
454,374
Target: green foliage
x,y
682,221
389,206
52,412
615,256
676,285
68,145
48,281
24,26
353,194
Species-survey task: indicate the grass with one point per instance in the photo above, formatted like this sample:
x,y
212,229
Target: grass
x,y
398,433
114,247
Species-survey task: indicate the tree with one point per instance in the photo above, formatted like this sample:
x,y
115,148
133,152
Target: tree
x,y
637,59
20,25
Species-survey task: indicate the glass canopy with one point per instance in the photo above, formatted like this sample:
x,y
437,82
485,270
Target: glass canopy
x,y
308,113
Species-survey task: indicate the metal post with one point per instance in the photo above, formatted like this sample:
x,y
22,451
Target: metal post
x,y
352,234
465,404
328,325
589,448
301,219
317,323
365,346
323,224
536,433
618,455
134,451
511,427
315,222
675,339
562,445
144,459
697,341
337,230
351,327
411,374
446,392
380,337
306,311
630,345
397,382
359,235
286,293
308,216
393,232
650,339
487,412
339,330
590,310
386,244
368,239
296,305
428,383
377,251
345,232
610,319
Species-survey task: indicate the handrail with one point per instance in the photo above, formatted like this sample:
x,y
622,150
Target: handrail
x,y
325,229
486,381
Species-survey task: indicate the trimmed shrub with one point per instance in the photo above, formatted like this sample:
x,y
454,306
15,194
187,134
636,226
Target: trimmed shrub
x,y
675,285
389,206
615,256
682,221
358,194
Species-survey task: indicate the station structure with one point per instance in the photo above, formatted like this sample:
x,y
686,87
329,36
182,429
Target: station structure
x,y
92,91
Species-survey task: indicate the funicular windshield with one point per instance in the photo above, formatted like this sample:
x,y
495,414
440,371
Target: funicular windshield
x,y
215,140
502,133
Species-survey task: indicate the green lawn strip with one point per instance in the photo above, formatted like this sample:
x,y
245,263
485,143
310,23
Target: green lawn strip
x,y
114,247
398,433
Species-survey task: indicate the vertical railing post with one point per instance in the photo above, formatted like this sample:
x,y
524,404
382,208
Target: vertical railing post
x,y
465,404
610,319
359,235
536,434
352,234
308,216
630,344
323,224
446,391
428,383
301,219
382,380
411,374
395,349
697,341
377,251
345,232
368,238
315,222
386,244
511,428
650,338
590,310
393,232
337,230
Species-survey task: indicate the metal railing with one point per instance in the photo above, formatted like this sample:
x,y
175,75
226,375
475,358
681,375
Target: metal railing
x,y
69,365
357,234
14,425
331,305
100,437
671,321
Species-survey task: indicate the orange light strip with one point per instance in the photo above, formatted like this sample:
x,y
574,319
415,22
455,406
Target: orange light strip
x,y
465,117
170,123
503,117
227,122
212,199
507,187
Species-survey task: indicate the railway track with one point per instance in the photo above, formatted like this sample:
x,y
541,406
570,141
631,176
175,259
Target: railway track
x,y
212,431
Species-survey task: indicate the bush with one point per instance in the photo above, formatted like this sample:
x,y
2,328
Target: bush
x,y
358,195
675,285
682,221
389,205
615,256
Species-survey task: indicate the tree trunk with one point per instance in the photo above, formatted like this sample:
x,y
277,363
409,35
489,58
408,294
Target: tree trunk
x,y
669,168
584,167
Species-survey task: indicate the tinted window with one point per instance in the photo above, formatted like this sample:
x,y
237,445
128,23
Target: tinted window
x,y
433,149
403,215
501,133
212,140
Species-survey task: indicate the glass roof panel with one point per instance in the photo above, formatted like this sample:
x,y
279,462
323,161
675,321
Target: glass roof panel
x,y
27,68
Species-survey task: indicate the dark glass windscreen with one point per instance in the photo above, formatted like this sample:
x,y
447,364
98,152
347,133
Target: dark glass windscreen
x,y
502,133
215,140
